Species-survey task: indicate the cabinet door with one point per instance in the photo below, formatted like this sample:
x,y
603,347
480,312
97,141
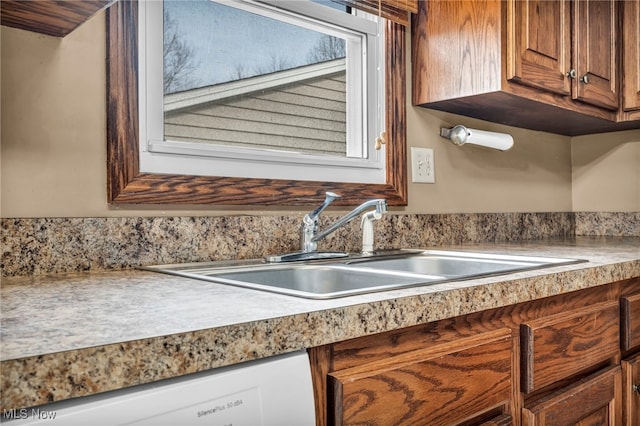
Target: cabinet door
x,y
594,401
441,385
563,345
631,54
595,39
539,44
631,391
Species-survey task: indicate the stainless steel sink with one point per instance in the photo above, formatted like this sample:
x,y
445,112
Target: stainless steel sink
x,y
459,264
358,275
315,281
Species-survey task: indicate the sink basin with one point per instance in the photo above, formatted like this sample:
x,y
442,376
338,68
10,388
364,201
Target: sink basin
x,y
459,264
358,275
314,281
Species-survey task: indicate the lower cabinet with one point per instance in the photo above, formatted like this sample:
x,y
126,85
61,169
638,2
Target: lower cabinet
x,y
630,342
559,346
443,384
594,400
553,361
631,390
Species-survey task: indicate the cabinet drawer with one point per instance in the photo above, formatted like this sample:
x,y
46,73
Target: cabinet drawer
x,y
594,400
559,346
630,313
444,384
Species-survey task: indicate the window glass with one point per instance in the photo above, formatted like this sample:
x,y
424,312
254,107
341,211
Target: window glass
x,y
294,91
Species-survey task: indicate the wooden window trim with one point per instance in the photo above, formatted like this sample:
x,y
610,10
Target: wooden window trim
x,y
127,185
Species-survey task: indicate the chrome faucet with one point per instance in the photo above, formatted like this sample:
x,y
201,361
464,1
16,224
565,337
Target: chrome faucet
x,y
309,235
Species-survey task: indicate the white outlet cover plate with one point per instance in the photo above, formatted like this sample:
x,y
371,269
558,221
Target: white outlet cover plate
x,y
422,165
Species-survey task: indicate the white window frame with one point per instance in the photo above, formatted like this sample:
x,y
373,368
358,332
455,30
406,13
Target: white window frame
x,y
363,162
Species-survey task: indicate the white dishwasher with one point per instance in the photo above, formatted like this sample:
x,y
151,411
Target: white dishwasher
x,y
275,391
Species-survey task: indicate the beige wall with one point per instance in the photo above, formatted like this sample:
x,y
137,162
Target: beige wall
x,y
53,144
606,172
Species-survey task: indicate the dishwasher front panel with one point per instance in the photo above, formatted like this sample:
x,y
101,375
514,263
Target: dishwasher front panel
x,y
275,391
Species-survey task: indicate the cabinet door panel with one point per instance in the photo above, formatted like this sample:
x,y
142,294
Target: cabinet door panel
x,y
630,327
631,393
592,401
595,52
541,41
631,54
559,346
445,384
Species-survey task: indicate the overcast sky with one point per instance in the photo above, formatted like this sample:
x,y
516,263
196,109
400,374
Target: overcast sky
x,y
220,44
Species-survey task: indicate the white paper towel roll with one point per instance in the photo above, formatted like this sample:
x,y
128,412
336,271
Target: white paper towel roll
x,y
461,135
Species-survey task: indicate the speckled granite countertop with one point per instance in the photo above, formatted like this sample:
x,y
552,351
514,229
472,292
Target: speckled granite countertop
x,y
69,335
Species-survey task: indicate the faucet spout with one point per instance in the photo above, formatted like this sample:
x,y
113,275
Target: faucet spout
x,y
379,204
309,230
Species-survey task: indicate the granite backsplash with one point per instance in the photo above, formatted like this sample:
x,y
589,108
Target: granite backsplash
x,y
34,246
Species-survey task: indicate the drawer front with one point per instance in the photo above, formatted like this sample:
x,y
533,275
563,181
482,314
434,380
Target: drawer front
x,y
594,400
559,346
441,385
630,313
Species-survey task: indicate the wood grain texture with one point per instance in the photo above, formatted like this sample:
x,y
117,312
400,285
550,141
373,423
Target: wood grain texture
x,y
525,86
126,185
630,321
631,55
594,400
52,17
595,52
542,44
357,372
503,420
631,397
378,347
444,384
320,359
455,49
562,345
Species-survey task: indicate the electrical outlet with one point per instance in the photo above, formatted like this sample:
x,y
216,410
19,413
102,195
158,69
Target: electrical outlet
x,y
422,165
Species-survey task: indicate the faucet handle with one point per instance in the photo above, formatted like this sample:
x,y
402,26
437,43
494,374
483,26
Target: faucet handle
x,y
330,196
310,224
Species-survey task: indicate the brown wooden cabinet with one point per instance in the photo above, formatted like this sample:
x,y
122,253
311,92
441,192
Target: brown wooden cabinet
x,y
544,65
469,378
552,361
594,400
539,47
595,49
631,391
560,346
630,343
631,57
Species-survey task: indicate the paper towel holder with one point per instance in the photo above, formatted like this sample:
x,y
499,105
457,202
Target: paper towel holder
x,y
461,135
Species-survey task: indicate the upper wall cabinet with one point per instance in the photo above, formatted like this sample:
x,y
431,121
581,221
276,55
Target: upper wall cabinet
x,y
51,17
553,66
631,57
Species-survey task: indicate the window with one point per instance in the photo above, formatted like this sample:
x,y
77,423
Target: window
x,y
276,110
